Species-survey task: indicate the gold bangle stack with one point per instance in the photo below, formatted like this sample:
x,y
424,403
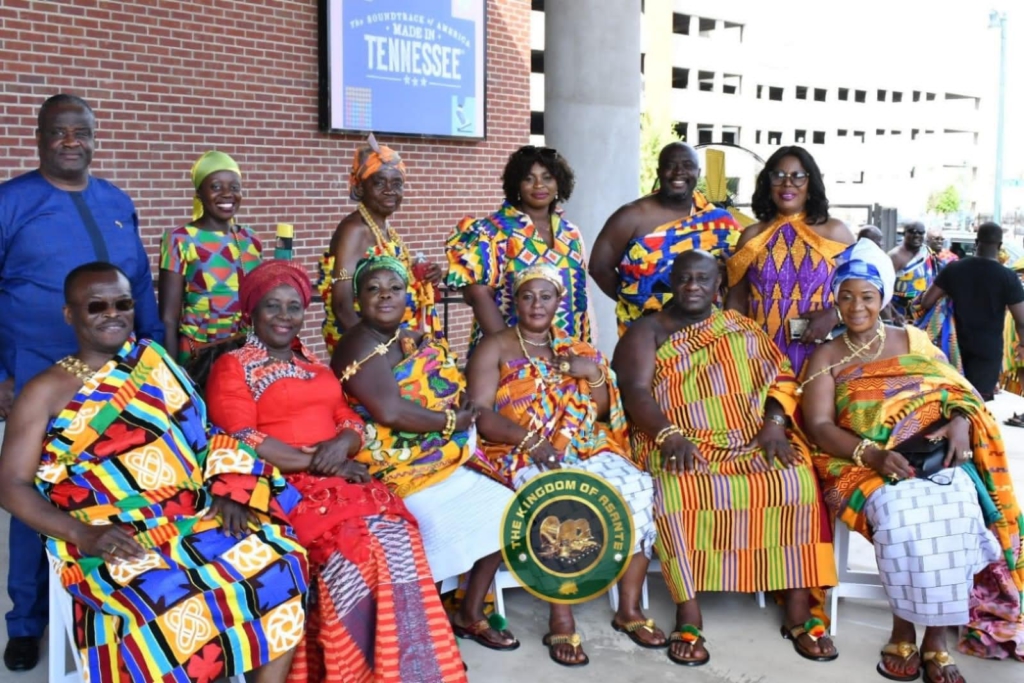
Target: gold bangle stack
x,y
522,444
671,430
536,443
858,452
601,382
449,425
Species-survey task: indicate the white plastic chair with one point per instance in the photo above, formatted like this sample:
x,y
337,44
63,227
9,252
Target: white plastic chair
x,y
502,579
852,584
655,566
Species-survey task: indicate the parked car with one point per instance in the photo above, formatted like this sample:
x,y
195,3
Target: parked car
x,y
961,243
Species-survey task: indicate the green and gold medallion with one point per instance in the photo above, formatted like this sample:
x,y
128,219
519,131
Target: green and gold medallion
x,y
567,536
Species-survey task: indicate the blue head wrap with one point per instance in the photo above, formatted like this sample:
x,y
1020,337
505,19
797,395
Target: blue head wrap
x,y
865,260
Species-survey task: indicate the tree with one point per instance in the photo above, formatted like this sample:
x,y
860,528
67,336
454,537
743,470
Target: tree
x,y
652,139
945,202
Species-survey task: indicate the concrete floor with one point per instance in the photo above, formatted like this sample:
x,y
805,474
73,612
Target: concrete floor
x,y
743,640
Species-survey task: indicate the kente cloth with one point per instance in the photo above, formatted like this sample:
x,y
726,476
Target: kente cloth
x,y
492,250
893,399
913,279
365,553
939,323
406,461
420,311
1013,371
537,396
789,268
645,273
132,448
213,263
930,540
945,257
735,523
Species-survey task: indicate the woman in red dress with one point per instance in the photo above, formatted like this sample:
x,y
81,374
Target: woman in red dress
x,y
365,551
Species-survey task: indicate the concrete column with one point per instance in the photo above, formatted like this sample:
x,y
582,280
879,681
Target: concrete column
x,y
592,116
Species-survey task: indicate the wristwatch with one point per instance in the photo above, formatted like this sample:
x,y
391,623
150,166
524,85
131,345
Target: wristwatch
x,y
777,419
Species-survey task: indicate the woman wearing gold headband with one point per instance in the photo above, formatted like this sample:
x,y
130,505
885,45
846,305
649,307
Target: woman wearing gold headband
x,y
203,261
377,182
549,402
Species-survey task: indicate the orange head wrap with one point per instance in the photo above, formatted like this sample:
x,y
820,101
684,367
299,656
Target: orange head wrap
x,y
369,159
269,275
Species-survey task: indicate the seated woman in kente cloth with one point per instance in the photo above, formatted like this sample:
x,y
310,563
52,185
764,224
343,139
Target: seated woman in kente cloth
x,y
420,440
711,400
948,546
548,401
366,557
172,539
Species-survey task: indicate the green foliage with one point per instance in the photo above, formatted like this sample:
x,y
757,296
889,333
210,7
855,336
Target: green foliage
x,y
652,139
945,202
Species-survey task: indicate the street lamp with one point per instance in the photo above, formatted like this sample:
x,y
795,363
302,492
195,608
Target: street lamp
x,y
998,20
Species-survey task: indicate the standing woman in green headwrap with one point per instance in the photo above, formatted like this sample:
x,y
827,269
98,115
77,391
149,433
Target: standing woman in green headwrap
x,y
201,264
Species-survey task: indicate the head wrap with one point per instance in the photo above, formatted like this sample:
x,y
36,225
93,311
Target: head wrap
x,y
210,162
542,271
374,263
269,275
369,159
865,260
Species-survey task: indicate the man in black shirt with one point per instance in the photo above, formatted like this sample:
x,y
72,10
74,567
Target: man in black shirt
x,y
981,290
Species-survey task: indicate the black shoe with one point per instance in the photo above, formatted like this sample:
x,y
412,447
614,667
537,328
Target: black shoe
x,y
22,653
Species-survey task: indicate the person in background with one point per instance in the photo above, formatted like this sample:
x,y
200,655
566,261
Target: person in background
x,y
377,182
981,291
937,243
633,254
52,220
780,273
172,538
872,232
484,256
916,268
201,266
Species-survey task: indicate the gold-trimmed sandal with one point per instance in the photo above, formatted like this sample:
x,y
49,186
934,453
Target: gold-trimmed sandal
x,y
631,627
690,635
574,639
814,628
941,659
903,650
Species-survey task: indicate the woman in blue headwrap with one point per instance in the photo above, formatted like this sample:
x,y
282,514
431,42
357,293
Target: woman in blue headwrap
x,y
910,458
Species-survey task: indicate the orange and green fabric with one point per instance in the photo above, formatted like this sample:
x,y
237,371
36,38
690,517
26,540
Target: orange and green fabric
x,y
564,413
735,523
492,250
890,400
1013,370
212,263
789,269
133,449
645,272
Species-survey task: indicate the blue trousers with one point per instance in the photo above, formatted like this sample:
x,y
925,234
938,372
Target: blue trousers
x,y
27,583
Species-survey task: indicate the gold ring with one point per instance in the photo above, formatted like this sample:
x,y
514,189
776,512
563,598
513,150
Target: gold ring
x,y
551,458
967,454
564,367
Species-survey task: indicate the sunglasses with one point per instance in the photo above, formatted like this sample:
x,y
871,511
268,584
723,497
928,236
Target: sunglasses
x,y
547,152
121,306
777,178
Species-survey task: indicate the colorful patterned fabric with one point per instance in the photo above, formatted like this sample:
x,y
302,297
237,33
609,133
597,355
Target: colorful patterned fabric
x,y
789,267
212,263
945,257
734,524
645,271
913,279
939,324
891,400
365,553
420,312
1013,371
564,413
409,462
132,449
865,260
492,250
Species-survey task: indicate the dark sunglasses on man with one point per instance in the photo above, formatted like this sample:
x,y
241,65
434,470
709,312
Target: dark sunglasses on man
x,y
121,306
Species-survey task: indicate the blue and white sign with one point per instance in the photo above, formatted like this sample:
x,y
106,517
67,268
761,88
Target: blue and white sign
x,y
413,67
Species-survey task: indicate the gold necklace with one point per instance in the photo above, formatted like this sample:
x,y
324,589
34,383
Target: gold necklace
x,y
378,235
76,367
556,376
378,350
544,344
854,353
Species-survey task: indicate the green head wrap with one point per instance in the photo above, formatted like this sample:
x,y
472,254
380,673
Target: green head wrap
x,y
210,162
374,263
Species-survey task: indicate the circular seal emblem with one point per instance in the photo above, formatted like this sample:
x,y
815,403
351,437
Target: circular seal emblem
x,y
567,536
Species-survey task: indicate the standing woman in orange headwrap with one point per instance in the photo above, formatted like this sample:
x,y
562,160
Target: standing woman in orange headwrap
x,y
377,183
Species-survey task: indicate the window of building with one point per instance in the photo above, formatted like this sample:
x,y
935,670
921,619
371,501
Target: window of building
x,y
536,123
680,78
844,94
733,29
879,131
895,132
912,169
800,136
757,137
537,61
929,97
704,133
775,93
914,132
681,24
917,95
731,84
897,96
929,132
819,94
858,179
859,134
681,129
731,135
706,81
774,137
881,95
760,90
706,26
537,5
801,92
643,59
841,132
819,137
860,96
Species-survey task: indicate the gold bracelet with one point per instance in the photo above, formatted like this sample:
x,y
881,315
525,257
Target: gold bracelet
x,y
601,382
536,443
449,426
522,444
665,433
858,452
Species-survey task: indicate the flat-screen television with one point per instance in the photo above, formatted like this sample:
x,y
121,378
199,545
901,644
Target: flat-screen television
x,y
403,67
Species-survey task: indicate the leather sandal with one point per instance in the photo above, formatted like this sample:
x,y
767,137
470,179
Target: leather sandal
x,y
691,635
475,632
940,659
631,627
574,639
813,628
904,651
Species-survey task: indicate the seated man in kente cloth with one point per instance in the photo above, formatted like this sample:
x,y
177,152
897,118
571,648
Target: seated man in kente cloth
x,y
736,501
172,540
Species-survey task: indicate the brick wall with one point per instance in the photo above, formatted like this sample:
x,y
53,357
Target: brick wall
x,y
169,80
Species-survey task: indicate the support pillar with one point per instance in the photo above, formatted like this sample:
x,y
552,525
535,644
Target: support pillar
x,y
592,117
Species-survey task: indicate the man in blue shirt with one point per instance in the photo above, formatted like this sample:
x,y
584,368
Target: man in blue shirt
x,y
52,220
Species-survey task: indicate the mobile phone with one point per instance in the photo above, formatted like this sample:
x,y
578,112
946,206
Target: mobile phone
x,y
797,327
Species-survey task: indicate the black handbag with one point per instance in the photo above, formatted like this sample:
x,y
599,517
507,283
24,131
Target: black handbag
x,y
923,454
